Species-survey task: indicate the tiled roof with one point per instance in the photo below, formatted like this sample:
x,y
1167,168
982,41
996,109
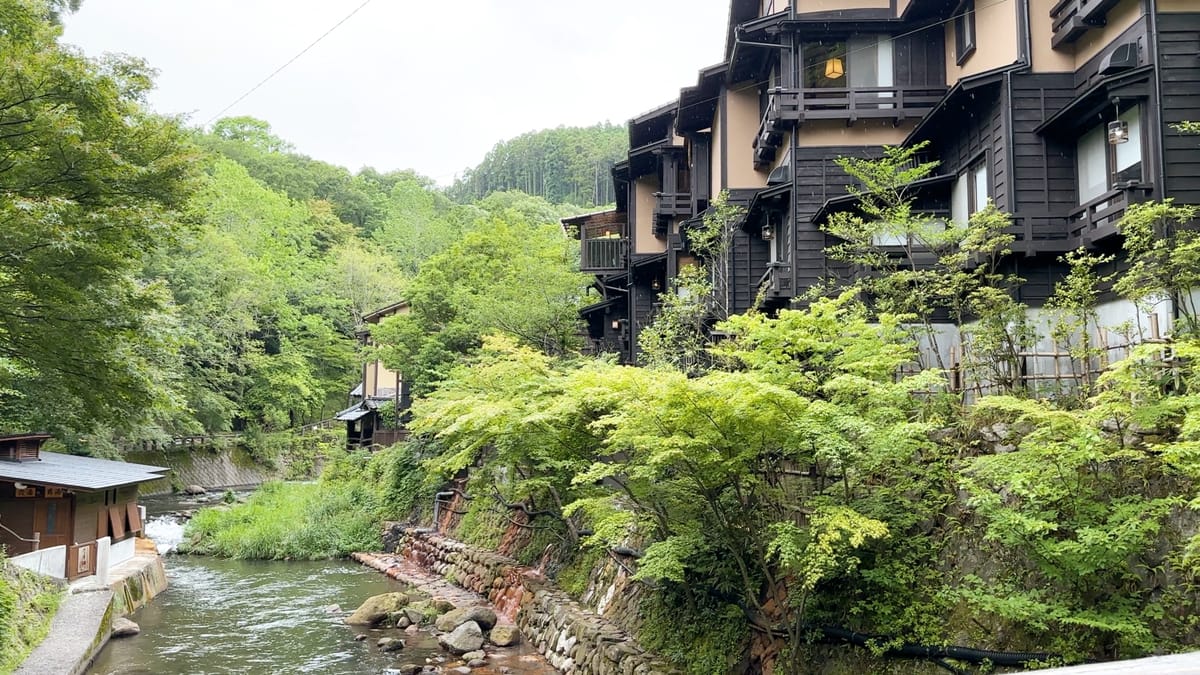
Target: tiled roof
x,y
73,471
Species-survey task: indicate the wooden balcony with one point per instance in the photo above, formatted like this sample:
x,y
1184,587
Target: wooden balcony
x,y
1097,219
669,205
897,103
603,248
1070,19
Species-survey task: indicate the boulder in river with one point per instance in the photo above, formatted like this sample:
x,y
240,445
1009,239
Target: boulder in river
x,y
390,644
122,627
504,635
474,656
484,616
194,490
466,638
377,608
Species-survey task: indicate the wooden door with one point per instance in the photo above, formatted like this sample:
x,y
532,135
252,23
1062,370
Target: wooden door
x,y
52,518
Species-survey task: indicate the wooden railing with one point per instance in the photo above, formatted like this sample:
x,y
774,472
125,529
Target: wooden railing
x,y
875,102
603,247
1097,218
673,204
1069,19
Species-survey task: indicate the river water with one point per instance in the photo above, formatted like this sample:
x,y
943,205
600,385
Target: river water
x,y
228,616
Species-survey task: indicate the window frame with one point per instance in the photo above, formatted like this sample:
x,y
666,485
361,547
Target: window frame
x,y
965,36
1112,183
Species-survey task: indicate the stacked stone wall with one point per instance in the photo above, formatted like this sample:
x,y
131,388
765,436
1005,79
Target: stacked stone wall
x,y
570,636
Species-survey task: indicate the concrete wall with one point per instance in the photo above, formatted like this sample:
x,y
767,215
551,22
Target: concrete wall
x,y
50,562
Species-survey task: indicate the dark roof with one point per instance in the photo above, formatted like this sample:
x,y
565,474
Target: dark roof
x,y
1081,112
964,85
74,471
25,437
848,202
385,312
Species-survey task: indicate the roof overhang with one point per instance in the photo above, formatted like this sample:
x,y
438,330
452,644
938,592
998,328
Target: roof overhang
x,y
383,313
78,472
917,188
770,199
961,88
698,104
1080,113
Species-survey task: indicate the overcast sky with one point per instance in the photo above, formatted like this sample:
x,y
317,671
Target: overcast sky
x,y
430,86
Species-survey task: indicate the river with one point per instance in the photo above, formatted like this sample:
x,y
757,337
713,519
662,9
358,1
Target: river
x,y
228,616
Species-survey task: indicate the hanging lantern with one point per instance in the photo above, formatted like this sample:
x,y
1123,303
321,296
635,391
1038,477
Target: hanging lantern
x,y
834,68
1118,132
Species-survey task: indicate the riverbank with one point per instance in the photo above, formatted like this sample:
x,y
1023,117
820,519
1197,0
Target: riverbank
x,y
83,623
27,605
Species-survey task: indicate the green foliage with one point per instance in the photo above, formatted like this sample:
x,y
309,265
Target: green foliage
x,y
91,183
1163,256
27,605
942,267
677,338
702,635
564,165
512,277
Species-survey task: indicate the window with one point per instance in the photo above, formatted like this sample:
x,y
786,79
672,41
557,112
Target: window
x,y
1101,167
971,192
964,31
862,61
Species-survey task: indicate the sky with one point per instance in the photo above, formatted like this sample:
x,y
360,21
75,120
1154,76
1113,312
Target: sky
x,y
430,86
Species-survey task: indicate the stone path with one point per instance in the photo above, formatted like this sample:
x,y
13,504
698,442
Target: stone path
x,y
77,633
406,571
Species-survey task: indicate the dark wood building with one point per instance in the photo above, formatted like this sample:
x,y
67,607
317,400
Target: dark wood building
x,y
366,423
65,515
1015,100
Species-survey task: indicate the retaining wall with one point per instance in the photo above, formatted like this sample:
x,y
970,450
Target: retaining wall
x,y
572,638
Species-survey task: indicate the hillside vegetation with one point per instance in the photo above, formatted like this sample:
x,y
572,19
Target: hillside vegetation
x,y
569,165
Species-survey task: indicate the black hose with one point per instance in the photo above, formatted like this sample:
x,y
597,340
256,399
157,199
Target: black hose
x,y
910,650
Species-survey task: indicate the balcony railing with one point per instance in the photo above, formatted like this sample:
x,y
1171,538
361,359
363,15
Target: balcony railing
x,y
1097,218
1072,18
868,102
672,204
603,248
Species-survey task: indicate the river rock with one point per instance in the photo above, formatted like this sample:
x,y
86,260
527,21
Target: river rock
x,y
412,630
360,637
441,605
466,638
333,609
194,490
476,663
123,627
476,655
504,635
406,669
484,616
390,644
403,621
377,608
415,615
461,670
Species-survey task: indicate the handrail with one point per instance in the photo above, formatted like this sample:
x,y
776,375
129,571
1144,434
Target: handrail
x,y
36,541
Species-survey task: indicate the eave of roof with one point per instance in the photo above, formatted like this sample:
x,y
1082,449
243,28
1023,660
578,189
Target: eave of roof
x,y
964,85
385,311
78,472
1097,93
846,202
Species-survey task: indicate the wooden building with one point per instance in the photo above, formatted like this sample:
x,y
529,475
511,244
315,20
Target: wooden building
x,y
1018,113
66,515
366,425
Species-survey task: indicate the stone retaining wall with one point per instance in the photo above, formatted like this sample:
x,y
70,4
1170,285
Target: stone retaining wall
x,y
571,638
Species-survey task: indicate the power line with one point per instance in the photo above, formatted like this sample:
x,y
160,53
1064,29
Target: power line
x,y
289,62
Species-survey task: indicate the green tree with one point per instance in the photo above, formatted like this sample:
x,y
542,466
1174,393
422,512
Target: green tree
x,y
89,183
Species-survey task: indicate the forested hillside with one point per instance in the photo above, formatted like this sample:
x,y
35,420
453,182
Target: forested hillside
x,y
564,165
157,280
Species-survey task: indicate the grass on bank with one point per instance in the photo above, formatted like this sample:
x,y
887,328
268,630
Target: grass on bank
x,y
27,605
330,518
